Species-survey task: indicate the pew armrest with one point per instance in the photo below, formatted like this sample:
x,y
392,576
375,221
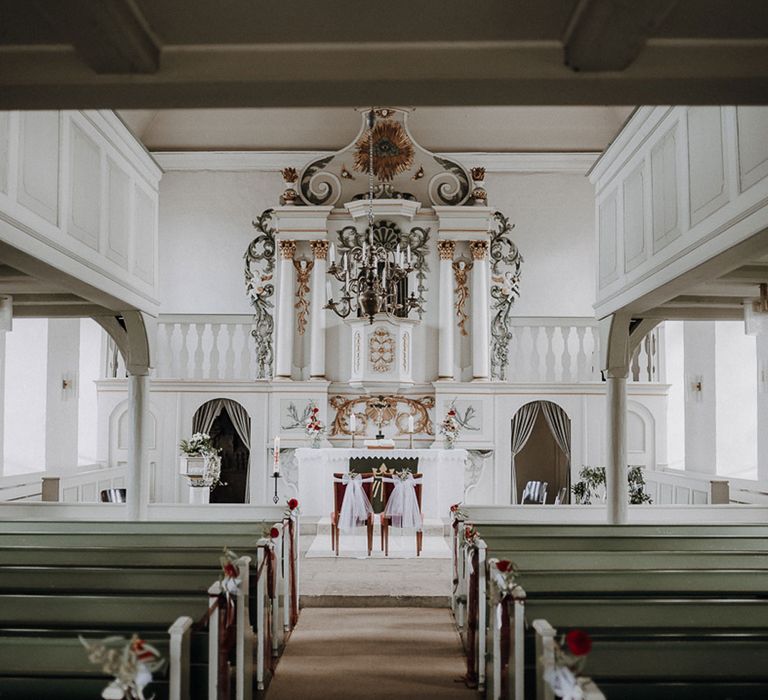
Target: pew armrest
x,y
179,658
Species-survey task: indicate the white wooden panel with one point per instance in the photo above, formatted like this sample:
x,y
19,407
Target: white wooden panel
x,y
706,162
682,495
144,236
123,432
666,494
664,190
118,214
88,493
39,164
69,495
85,186
700,498
607,231
635,250
635,433
752,124
5,122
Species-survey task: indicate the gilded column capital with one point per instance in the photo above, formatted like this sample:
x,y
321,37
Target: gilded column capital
x,y
446,249
479,249
287,249
319,249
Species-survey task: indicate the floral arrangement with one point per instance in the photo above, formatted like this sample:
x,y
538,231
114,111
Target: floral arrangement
x,y
131,662
564,677
449,428
470,533
457,512
272,533
293,505
201,445
314,427
508,573
230,574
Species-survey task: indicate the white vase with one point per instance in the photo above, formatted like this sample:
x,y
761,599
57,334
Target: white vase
x,y
192,466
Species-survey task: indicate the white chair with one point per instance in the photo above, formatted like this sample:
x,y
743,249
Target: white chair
x,y
535,492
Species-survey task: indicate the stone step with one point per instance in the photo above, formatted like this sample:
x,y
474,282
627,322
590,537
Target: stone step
x,y
375,601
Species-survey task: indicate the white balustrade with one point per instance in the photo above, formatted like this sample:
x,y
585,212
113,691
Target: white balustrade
x,y
82,486
205,347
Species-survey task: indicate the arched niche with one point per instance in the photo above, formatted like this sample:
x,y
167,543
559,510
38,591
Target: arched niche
x,y
641,436
537,452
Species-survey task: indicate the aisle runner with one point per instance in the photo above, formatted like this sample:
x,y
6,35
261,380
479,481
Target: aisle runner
x,y
402,545
372,654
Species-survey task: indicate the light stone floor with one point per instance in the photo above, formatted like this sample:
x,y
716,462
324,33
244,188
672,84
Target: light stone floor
x,y
330,582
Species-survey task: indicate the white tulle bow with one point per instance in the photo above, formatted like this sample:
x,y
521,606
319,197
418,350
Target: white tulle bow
x,y
403,506
564,683
355,508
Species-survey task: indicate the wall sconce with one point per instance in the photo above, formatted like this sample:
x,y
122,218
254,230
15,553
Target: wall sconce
x,y
695,387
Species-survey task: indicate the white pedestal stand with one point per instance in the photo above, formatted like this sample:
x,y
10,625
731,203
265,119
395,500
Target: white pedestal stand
x,y
199,495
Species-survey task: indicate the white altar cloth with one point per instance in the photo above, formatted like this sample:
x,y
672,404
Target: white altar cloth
x,y
443,472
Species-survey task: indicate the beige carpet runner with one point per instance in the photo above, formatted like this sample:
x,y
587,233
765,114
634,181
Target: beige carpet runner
x,y
371,653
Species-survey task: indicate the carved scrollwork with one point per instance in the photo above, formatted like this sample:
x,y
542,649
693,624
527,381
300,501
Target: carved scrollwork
x,y
451,186
381,350
382,408
259,288
505,288
303,270
319,186
461,270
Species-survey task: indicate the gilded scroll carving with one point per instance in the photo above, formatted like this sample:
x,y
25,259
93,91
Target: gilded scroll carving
x,y
260,288
303,270
461,270
368,409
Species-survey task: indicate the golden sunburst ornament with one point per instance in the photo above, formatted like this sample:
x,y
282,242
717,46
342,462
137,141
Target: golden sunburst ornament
x,y
392,151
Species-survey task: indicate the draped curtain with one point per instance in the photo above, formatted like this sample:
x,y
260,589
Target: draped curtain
x,y
203,420
560,425
522,427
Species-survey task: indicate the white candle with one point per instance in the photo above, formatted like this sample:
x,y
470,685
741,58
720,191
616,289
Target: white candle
x,y
352,423
276,455
332,254
328,290
409,254
410,424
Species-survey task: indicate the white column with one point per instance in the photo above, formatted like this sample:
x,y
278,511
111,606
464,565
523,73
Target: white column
x,y
445,304
481,347
137,481
285,311
317,312
617,488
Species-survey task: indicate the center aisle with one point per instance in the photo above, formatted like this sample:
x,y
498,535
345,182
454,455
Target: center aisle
x,y
371,653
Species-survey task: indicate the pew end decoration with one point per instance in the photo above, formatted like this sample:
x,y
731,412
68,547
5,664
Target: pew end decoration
x,y
132,663
560,664
201,461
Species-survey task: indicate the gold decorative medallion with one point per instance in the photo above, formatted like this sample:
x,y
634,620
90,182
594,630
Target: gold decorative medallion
x,y
392,150
381,350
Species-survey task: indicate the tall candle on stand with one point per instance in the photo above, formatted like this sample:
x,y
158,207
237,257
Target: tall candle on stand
x,y
276,456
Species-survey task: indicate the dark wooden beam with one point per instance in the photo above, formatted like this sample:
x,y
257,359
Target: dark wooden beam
x,y
111,36
608,35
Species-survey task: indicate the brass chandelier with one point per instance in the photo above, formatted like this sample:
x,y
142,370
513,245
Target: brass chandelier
x,y
370,274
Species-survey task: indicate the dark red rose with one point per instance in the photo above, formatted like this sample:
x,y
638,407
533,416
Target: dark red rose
x,y
579,643
451,412
455,507
293,504
274,533
504,565
230,570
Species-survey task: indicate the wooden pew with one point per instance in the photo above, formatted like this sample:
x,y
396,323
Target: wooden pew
x,y
704,590
172,567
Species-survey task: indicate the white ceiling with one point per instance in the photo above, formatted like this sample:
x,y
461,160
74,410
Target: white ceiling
x,y
441,129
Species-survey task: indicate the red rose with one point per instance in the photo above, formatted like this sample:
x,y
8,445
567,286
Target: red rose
x,y
455,507
230,570
504,565
451,412
274,533
293,504
578,642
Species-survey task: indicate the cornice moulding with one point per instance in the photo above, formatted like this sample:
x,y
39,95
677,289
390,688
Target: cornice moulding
x,y
570,163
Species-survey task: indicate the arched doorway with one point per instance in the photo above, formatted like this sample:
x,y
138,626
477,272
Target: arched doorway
x,y
229,426
541,449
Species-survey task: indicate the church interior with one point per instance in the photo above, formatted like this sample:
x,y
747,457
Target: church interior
x,y
348,355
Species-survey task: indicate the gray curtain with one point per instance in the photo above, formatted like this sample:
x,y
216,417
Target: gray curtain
x,y
560,425
522,426
242,422
206,415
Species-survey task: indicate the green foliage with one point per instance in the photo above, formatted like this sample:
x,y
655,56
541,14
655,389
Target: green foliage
x,y
592,485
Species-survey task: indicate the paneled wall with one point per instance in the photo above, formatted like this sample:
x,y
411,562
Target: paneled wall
x,y
678,186
80,193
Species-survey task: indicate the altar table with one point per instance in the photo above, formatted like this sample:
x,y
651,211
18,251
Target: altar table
x,y
443,472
